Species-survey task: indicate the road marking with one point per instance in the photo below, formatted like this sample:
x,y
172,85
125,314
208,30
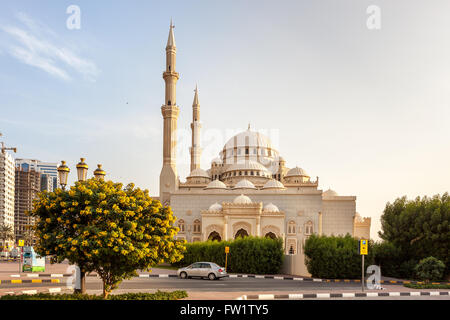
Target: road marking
x,y
33,275
278,278
233,275
266,296
298,279
163,275
144,276
295,296
414,293
348,295
53,290
317,280
259,277
323,295
372,294
434,293
15,275
16,281
394,294
29,291
56,275
55,280
36,281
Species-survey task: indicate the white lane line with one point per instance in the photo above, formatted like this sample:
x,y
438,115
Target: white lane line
x,y
348,295
295,296
323,295
266,297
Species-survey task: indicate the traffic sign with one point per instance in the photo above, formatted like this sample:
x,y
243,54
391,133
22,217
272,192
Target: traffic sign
x,y
227,249
363,247
21,243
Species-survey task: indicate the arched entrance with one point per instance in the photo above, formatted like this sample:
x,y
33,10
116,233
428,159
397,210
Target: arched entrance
x,y
270,235
214,236
241,233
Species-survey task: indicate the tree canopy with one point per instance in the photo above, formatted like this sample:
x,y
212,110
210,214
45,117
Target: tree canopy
x,y
102,227
419,228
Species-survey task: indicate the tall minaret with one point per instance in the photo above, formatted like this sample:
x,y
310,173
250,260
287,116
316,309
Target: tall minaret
x,y
168,179
196,126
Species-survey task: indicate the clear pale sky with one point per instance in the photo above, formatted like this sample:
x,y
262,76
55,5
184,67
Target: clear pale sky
x,y
365,110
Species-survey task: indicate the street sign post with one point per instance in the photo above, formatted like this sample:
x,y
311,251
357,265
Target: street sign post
x,y
363,250
21,244
227,250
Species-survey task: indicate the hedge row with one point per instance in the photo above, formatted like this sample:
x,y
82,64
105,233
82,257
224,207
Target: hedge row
x,y
247,255
158,295
335,257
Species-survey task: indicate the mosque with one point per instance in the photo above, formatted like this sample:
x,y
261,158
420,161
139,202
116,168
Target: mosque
x,y
248,189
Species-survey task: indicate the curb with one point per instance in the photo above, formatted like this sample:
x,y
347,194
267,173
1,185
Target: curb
x,y
49,290
20,281
299,296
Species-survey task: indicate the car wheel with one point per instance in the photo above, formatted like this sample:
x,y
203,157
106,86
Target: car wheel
x,y
183,275
212,276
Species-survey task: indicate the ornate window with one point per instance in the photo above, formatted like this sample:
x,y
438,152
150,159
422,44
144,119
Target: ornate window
x,y
309,228
291,247
292,227
197,226
181,225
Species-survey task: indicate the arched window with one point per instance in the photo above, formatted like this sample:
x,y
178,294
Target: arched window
x,y
271,235
292,227
241,233
181,225
309,228
214,236
197,226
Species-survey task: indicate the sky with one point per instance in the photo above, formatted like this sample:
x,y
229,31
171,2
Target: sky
x,y
366,110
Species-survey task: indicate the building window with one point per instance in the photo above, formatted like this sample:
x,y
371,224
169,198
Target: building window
x,y
197,226
309,228
292,227
181,225
246,150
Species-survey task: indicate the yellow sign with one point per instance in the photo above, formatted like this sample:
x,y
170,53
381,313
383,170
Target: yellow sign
x,y
21,243
363,247
227,249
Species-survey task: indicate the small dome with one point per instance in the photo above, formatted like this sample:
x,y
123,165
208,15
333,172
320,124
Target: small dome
x,y
329,193
198,173
216,184
215,207
244,184
273,184
296,172
217,160
271,208
242,200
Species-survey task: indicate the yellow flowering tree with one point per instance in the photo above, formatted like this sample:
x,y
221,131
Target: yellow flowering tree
x,y
101,226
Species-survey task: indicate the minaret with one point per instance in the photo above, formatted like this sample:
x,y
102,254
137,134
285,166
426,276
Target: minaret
x,y
168,179
196,126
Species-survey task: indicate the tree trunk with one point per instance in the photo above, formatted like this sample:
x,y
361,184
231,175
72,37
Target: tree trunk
x,y
105,292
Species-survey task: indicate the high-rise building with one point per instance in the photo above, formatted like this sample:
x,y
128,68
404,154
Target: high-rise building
x,y
45,168
7,185
28,185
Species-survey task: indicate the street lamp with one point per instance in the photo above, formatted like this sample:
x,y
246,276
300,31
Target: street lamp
x,y
82,169
63,173
99,173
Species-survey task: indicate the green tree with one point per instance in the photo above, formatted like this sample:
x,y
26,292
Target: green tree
x,y
6,233
102,227
419,228
430,269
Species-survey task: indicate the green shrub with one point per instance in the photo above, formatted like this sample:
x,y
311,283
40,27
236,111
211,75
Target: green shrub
x,y
430,269
158,295
335,257
253,255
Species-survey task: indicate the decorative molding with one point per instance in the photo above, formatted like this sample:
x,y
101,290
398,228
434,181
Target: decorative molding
x,y
242,225
271,228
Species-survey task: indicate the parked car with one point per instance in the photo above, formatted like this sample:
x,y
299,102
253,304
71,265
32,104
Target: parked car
x,y
208,270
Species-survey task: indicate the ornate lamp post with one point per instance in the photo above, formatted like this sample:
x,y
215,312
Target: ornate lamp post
x,y
82,169
63,174
99,173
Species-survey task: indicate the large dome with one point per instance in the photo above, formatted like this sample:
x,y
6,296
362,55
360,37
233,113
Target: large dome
x,y
247,165
273,184
297,172
248,144
329,193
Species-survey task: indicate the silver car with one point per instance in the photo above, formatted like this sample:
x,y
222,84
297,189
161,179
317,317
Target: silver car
x,y
208,270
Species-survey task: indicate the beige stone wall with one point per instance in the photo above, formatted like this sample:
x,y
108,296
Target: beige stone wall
x,y
338,216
